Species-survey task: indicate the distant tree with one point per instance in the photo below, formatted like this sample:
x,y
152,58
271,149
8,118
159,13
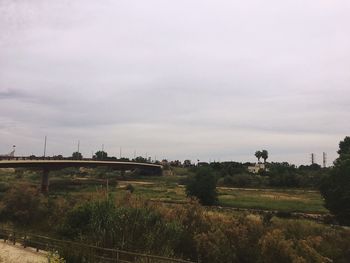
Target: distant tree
x,y
187,163
140,159
344,147
258,154
344,150
311,167
100,155
264,155
336,187
77,156
203,186
175,163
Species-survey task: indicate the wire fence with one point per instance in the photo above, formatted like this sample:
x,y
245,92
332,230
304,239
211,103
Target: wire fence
x,y
78,252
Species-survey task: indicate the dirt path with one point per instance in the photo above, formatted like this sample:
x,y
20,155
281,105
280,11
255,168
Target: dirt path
x,y
16,254
268,189
123,183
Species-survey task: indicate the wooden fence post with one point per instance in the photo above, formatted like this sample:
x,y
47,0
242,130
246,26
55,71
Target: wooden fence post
x,y
117,257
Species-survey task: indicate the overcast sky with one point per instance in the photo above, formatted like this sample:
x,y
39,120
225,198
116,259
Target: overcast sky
x,y
208,80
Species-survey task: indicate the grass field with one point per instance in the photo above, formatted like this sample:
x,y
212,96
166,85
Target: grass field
x,y
168,189
287,200
270,199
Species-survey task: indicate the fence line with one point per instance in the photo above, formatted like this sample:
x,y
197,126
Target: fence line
x,y
86,253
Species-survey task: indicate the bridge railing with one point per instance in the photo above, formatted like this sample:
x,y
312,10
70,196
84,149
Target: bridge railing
x,y
21,158
81,252
58,158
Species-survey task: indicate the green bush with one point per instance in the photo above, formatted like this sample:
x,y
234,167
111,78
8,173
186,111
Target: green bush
x,y
336,191
130,188
202,186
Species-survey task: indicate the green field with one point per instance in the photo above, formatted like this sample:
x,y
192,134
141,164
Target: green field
x,y
270,199
287,200
169,189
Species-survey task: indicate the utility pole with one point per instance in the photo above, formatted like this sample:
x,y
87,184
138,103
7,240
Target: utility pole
x,y
312,158
324,160
45,146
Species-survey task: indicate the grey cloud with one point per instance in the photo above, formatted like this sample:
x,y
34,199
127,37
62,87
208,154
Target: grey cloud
x,y
183,79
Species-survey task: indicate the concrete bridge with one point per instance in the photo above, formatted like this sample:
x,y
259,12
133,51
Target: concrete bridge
x,y
48,164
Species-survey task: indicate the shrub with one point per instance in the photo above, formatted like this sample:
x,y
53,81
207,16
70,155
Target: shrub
x,y
276,248
4,187
137,229
242,180
54,257
202,186
130,188
24,205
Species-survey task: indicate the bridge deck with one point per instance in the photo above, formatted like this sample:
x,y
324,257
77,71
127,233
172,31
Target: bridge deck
x,y
75,163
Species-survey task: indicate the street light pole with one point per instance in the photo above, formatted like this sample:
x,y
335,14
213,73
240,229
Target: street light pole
x,y
45,146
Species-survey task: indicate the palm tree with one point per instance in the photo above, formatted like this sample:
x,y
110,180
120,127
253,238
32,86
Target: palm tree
x,y
264,155
258,154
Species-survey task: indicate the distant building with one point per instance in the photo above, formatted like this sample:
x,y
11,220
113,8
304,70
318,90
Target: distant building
x,y
164,162
201,164
256,168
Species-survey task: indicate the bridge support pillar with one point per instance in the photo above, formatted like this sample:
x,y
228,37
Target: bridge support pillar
x,y
45,181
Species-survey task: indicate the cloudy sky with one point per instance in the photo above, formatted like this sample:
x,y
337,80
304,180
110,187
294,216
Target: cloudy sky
x,y
208,80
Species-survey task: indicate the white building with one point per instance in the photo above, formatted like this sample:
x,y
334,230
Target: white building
x,y
256,168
